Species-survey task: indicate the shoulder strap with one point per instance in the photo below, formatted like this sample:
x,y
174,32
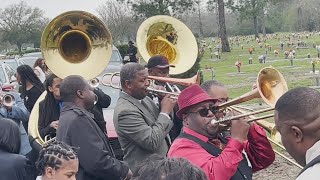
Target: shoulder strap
x,y
209,148
310,164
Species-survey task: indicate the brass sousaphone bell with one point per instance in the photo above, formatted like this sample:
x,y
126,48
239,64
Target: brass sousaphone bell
x,y
169,37
73,43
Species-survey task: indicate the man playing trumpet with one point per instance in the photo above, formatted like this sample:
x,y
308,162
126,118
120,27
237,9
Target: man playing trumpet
x,y
141,127
245,151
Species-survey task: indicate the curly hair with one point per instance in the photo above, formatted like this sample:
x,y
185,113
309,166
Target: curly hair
x,y
52,155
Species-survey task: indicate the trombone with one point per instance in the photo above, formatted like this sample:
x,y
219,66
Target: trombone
x,y
270,87
174,94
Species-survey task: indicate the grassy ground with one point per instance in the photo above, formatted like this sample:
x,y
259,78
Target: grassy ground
x,y
239,83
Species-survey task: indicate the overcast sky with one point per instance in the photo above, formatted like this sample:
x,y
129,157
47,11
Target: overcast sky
x,y
52,8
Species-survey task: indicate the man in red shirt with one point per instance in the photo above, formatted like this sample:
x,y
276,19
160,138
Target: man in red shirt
x,y
220,158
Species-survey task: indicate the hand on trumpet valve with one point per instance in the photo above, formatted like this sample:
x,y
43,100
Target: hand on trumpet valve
x,y
167,104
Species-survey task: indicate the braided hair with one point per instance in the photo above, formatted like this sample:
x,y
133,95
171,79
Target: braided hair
x,y
50,101
53,154
27,74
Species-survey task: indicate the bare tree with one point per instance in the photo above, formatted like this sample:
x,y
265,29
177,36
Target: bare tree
x,y
20,24
119,20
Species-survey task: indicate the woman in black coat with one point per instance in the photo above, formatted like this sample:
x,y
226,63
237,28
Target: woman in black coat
x,y
13,166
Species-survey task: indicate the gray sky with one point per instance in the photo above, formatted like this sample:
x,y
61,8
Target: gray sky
x,y
52,8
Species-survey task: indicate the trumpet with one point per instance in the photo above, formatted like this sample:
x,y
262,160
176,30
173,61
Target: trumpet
x,y
7,100
184,82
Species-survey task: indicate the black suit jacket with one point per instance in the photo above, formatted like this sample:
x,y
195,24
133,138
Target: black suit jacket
x,y
97,161
15,167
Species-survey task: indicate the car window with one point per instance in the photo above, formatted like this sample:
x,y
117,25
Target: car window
x,y
2,75
13,64
116,57
9,71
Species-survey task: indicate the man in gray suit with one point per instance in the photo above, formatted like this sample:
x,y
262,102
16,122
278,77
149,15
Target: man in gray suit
x,y
141,127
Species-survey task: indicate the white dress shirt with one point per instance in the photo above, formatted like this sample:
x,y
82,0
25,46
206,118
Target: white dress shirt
x,y
313,172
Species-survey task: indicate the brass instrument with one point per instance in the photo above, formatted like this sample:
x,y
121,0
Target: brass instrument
x,y
169,37
270,87
7,100
184,82
73,43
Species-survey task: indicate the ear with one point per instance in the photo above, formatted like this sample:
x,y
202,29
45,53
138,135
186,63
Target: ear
x,y
50,88
80,94
185,119
128,84
49,172
296,133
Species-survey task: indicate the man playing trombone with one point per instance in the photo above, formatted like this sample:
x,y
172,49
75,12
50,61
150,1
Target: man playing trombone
x,y
220,158
159,66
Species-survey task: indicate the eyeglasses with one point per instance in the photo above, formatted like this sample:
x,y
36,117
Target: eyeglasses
x,y
205,111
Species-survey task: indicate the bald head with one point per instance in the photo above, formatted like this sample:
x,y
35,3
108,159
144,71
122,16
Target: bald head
x,y
300,106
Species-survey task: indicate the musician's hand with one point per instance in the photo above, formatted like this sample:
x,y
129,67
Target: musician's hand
x,y
167,104
129,175
240,129
54,124
8,108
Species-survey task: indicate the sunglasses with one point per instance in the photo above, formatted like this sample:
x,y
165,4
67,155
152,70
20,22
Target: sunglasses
x,y
205,111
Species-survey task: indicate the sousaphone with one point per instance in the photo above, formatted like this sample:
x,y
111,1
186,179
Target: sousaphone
x,y
169,37
73,43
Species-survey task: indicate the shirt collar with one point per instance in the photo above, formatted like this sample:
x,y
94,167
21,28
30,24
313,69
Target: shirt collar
x,y
313,152
195,134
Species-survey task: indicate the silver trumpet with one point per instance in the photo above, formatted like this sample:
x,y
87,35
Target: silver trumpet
x,y
7,100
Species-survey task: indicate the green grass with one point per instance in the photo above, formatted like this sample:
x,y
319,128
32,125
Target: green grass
x,y
239,83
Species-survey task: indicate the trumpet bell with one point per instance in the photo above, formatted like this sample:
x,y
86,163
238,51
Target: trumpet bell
x,y
169,37
76,41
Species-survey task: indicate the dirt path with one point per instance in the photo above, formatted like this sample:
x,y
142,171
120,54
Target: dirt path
x,y
281,169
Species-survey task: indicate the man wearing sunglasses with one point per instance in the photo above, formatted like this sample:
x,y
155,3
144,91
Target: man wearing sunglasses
x,y
220,158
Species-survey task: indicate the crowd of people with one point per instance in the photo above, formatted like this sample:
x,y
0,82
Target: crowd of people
x,y
163,137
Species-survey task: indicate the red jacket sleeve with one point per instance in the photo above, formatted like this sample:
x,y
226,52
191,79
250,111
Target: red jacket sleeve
x,y
258,148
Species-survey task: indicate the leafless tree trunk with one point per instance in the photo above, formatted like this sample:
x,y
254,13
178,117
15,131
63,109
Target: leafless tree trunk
x,y
222,27
200,21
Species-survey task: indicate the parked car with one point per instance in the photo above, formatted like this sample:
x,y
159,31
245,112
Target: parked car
x,y
7,77
29,60
14,63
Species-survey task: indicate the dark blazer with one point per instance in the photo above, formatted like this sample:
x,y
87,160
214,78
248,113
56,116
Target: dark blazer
x,y
15,167
97,161
45,119
141,131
